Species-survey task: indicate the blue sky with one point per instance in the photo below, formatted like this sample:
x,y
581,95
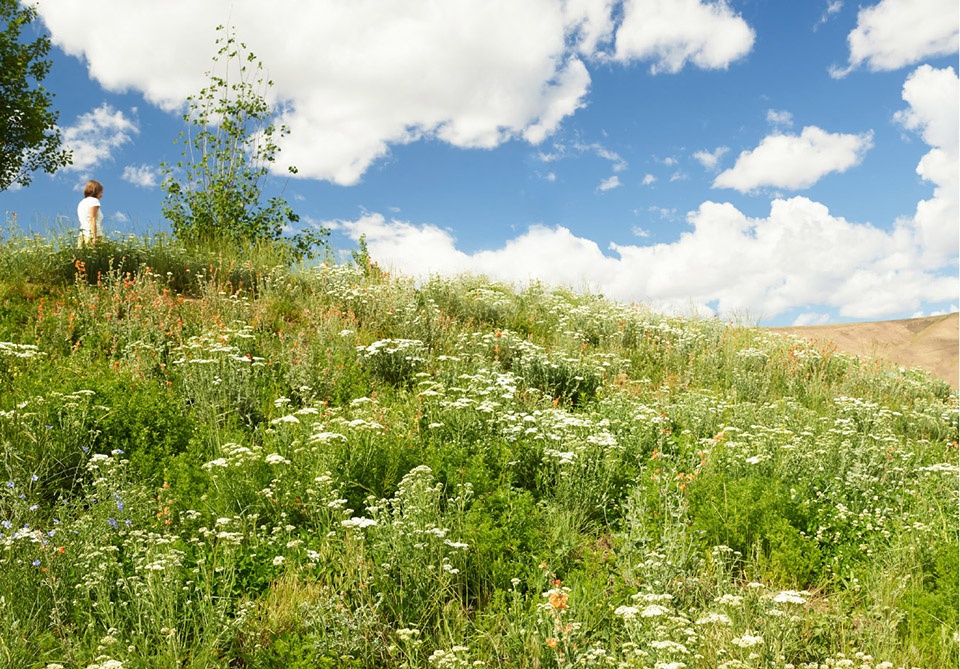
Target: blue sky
x,y
787,162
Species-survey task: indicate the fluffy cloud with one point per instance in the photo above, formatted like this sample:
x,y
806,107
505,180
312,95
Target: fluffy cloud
x,y
798,255
795,161
355,78
145,176
934,99
674,32
779,119
609,183
710,159
95,136
592,21
897,33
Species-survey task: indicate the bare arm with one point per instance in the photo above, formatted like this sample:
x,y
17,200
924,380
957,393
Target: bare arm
x,y
93,223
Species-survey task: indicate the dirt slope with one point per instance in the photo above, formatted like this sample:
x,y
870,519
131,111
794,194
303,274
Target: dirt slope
x,y
930,343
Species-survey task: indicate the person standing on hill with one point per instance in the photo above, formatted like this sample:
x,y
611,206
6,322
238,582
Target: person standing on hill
x,y
88,211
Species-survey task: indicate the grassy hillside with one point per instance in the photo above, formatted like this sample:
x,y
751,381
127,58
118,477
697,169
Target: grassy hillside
x,y
213,461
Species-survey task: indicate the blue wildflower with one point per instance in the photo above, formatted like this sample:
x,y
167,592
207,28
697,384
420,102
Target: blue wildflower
x,y
113,522
36,563
34,507
11,484
34,477
7,524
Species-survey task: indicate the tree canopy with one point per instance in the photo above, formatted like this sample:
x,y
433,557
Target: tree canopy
x,y
29,137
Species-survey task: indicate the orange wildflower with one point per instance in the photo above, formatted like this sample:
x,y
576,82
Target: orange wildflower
x,y
558,599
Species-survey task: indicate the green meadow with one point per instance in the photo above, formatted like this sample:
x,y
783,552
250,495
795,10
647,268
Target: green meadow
x,y
214,459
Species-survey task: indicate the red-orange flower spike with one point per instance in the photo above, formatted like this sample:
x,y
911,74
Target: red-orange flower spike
x,y
558,599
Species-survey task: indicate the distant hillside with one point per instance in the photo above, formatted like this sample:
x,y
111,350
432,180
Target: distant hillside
x,y
929,343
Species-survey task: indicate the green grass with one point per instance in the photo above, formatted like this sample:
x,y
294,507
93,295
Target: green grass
x,y
212,460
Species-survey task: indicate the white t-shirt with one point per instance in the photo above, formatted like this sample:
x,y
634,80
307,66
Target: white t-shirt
x,y
83,213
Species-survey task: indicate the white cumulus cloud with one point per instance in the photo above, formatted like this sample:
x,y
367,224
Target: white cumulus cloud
x,y
710,159
672,33
934,99
795,161
95,136
798,255
897,33
145,176
355,78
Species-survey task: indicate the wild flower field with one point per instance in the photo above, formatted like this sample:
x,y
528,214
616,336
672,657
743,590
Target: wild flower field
x,y
216,462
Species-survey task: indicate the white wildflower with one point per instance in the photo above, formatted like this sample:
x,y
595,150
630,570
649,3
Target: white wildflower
x,y
747,641
652,597
653,611
712,618
290,418
359,523
791,597
670,647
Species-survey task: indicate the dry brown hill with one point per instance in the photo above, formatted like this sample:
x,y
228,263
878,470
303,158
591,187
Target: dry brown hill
x,y
931,343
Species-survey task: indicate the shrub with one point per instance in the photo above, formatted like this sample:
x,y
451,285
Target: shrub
x,y
232,149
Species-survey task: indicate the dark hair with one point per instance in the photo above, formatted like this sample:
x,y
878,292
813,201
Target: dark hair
x,y
93,189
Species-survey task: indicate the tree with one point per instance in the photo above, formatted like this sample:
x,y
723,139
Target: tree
x,y
29,138
229,148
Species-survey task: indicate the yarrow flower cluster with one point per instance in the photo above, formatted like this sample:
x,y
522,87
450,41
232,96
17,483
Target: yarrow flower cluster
x,y
747,640
358,523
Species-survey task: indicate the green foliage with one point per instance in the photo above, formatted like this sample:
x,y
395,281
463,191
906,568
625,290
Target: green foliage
x,y
147,422
212,460
29,136
393,361
930,601
213,196
757,517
